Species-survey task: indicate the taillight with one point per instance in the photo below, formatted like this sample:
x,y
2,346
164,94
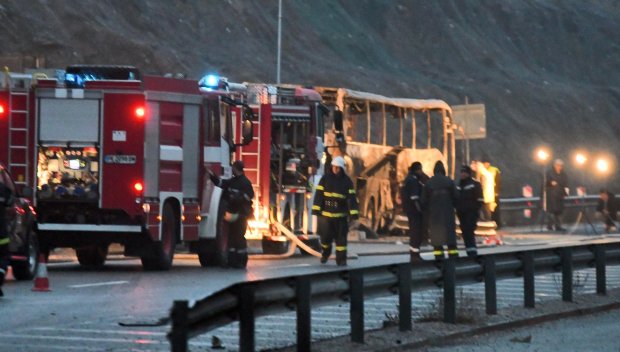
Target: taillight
x,y
2,110
140,112
138,187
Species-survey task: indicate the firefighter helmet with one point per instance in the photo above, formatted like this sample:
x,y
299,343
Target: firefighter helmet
x,y
338,161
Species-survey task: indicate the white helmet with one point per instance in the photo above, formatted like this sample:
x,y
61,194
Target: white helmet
x,y
338,161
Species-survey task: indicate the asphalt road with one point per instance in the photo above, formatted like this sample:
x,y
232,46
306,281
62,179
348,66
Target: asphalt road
x,y
84,308
565,335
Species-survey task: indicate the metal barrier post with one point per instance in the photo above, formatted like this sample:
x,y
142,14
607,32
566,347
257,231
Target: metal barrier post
x,y
246,319
404,297
601,274
449,290
567,274
529,297
178,334
490,285
356,287
303,315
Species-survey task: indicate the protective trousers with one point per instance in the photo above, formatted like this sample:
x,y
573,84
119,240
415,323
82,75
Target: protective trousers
x,y
438,251
237,244
334,229
468,222
415,234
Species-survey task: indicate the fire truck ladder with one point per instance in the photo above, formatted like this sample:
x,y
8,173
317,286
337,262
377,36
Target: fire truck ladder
x,y
19,121
250,168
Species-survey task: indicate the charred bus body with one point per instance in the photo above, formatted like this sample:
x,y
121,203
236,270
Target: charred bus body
x,y
380,137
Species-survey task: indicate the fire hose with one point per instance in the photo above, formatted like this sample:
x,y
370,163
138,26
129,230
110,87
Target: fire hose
x,y
295,241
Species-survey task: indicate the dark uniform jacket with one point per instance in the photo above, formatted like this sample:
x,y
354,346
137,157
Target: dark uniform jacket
x,y
335,197
238,193
556,182
469,196
411,195
438,200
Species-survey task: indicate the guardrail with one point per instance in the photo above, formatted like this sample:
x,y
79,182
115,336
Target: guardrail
x,y
512,209
247,300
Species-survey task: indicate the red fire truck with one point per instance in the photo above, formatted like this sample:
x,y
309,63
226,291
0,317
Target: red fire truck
x,y
285,165
111,156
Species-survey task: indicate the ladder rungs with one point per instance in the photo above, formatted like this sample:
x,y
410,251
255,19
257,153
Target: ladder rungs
x,y
18,129
18,147
242,154
17,165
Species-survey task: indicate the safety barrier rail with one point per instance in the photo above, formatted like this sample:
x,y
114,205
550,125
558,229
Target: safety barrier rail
x,y
247,300
534,202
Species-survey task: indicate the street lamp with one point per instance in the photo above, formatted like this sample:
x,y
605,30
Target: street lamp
x,y
543,155
602,165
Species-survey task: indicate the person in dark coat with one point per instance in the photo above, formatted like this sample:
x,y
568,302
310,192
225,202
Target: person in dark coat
x,y
411,194
238,194
556,185
438,201
608,207
334,203
468,205
6,200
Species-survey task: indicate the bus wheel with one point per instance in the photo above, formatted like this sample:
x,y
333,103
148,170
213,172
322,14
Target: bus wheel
x,y
92,256
26,270
162,252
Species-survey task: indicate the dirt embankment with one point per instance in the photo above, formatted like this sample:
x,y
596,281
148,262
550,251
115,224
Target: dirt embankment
x,y
548,71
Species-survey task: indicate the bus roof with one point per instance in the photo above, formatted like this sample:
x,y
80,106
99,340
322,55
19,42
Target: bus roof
x,y
416,104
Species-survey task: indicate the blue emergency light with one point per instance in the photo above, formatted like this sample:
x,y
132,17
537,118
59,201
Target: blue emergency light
x,y
210,81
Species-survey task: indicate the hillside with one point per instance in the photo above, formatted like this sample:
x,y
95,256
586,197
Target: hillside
x,y
547,70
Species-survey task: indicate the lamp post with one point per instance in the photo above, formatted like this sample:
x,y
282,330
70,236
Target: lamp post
x,y
543,155
279,41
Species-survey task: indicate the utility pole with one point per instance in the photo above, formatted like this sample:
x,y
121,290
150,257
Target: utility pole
x,y
279,41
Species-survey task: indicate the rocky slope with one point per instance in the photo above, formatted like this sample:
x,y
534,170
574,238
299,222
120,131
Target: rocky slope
x,y
547,70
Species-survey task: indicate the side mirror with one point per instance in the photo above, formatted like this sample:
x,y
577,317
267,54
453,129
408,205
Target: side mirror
x,y
338,126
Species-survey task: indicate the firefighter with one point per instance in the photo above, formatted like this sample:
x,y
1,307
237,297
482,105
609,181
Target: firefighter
x,y
556,186
6,200
469,202
334,203
238,195
410,195
438,200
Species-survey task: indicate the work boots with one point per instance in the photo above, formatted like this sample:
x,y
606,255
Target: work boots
x,y
324,257
341,258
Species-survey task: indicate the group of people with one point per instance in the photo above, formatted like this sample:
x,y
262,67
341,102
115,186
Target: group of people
x,y
430,205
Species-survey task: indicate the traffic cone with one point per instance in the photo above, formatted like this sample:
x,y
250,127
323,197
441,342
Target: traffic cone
x,y
9,275
41,282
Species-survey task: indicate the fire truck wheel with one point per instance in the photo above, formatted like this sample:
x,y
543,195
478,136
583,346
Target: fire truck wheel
x,y
92,256
162,252
26,270
274,247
